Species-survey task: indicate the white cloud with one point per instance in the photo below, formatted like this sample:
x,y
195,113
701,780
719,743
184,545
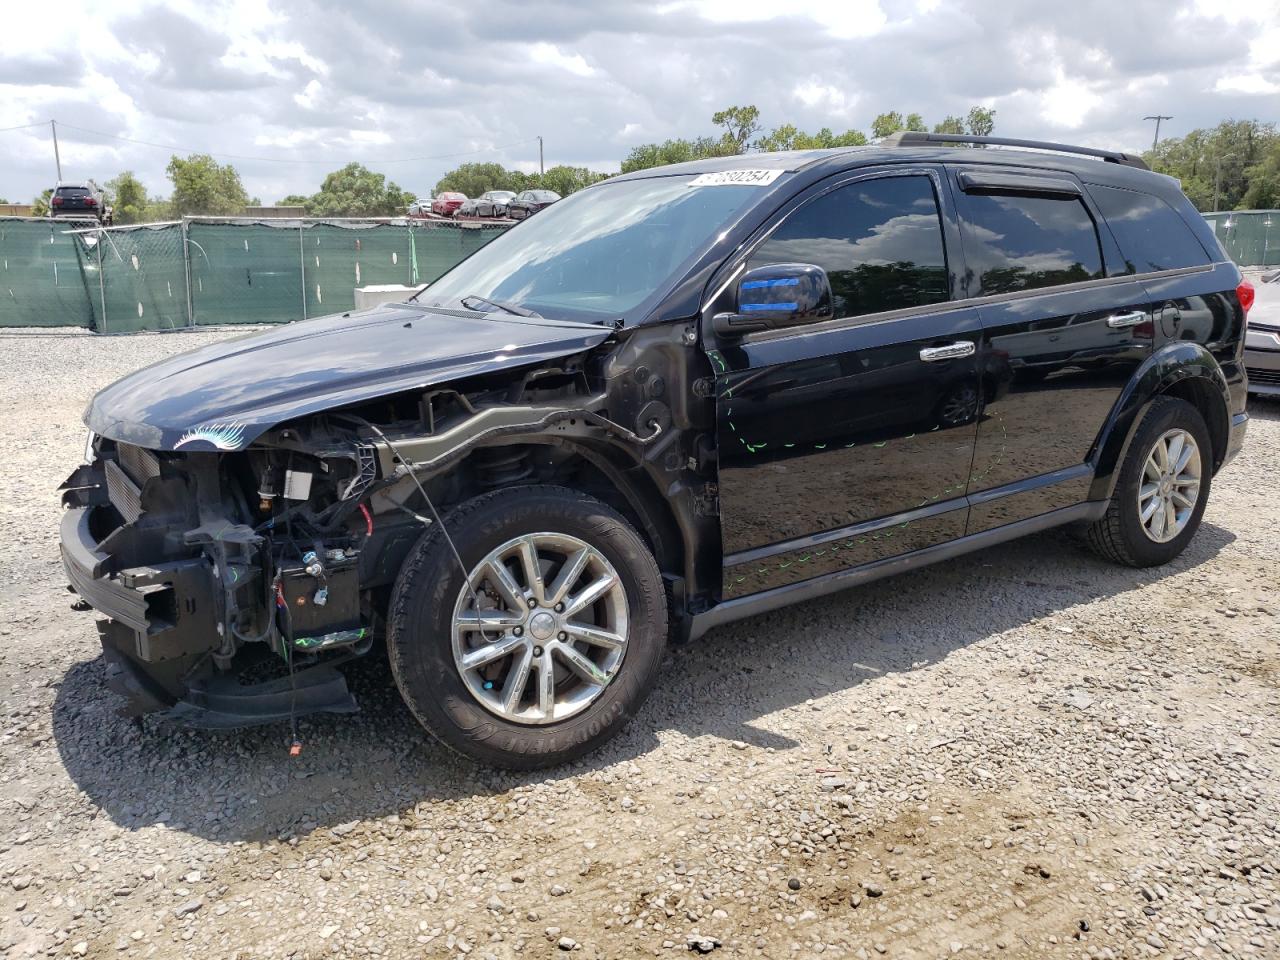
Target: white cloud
x,y
313,84
549,53
1068,103
1246,83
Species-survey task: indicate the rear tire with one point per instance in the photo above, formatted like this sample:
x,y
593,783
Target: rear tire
x,y
1148,521
498,713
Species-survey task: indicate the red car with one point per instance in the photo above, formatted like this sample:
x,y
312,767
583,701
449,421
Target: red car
x,y
446,204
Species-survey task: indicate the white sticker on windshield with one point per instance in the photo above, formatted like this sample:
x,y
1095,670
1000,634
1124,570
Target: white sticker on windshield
x,y
754,178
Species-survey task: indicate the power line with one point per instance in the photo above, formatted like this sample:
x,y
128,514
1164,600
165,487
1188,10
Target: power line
x,y
237,156
23,126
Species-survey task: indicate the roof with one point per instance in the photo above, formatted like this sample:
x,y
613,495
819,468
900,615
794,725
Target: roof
x,y
819,162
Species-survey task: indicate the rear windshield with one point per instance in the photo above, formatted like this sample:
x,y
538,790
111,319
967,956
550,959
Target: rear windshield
x,y
1151,234
73,192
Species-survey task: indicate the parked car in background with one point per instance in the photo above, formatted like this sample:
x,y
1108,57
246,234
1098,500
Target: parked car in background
x,y
493,203
530,202
79,198
468,209
420,207
1262,338
448,204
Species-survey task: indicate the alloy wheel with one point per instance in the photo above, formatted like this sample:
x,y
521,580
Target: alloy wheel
x,y
1170,485
540,629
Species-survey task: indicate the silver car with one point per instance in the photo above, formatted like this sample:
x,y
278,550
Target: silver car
x,y
493,203
1262,337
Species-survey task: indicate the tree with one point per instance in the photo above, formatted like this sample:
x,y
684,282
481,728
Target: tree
x,y
740,125
293,200
674,151
1264,182
788,137
128,198
40,205
949,124
473,179
916,123
565,180
355,191
1218,166
201,185
980,121
886,124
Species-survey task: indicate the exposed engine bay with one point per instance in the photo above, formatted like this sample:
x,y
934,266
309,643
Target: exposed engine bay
x,y
233,583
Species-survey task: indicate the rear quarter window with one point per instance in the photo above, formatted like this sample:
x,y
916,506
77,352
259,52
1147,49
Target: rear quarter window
x,y
1151,234
1018,242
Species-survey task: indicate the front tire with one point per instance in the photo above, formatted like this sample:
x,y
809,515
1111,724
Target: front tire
x,y
548,645
1162,490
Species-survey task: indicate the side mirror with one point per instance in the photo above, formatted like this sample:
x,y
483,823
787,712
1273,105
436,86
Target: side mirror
x,y
776,296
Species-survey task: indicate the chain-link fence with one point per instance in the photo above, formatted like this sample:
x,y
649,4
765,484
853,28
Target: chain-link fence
x,y
213,271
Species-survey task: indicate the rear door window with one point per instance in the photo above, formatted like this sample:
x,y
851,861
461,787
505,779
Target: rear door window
x,y
1021,242
1151,234
879,240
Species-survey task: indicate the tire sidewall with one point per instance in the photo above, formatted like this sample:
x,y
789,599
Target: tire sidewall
x,y
1170,414
420,640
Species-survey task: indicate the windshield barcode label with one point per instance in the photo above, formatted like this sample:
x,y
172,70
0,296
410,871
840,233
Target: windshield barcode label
x,y
754,178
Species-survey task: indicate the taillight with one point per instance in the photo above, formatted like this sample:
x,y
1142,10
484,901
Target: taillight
x,y
90,202
57,201
1245,294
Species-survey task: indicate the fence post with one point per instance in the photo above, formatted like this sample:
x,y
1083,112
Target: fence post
x,y
302,267
186,269
102,289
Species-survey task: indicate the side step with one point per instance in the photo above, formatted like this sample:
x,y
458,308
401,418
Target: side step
x,y
222,703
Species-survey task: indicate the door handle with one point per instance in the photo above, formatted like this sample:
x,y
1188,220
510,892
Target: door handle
x,y
952,351
1120,320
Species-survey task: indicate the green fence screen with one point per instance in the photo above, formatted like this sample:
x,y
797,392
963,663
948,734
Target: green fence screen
x,y
213,272
45,275
1250,237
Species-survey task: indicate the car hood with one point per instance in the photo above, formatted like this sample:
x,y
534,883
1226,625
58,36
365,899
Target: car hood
x,y
224,396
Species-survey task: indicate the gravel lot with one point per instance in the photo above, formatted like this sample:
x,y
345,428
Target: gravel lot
x,y
1026,753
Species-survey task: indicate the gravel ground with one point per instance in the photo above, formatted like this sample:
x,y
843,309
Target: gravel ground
x,y
1026,752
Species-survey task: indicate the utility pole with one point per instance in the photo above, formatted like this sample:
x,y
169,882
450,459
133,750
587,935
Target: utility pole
x,y
53,125
1157,118
1217,176
541,168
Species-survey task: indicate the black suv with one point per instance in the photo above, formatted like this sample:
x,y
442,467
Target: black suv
x,y
674,399
79,198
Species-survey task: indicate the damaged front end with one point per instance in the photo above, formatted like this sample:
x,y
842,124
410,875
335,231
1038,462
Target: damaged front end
x,y
229,582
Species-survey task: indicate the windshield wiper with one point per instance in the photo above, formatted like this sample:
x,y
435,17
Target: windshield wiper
x,y
504,307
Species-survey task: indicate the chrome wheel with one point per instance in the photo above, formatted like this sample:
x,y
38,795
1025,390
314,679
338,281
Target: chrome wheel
x,y
541,629
1170,485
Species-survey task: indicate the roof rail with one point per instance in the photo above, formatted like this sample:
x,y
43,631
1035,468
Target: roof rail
x,y
906,138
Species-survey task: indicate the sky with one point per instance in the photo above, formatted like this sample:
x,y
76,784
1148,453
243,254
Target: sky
x,y
288,91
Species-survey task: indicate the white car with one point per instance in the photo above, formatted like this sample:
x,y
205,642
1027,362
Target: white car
x,y
420,207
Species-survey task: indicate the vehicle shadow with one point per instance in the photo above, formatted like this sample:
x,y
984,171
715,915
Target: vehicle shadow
x,y
243,785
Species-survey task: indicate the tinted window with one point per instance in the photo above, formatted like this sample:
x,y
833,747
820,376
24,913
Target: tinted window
x,y
1021,243
880,242
72,192
1151,234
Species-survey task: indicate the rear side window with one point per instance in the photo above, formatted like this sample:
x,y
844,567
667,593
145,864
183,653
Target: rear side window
x,y
879,240
1026,242
1151,234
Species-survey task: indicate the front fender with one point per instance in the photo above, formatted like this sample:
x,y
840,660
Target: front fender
x,y
1174,364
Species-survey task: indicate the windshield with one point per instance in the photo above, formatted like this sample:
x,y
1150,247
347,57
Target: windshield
x,y
598,254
